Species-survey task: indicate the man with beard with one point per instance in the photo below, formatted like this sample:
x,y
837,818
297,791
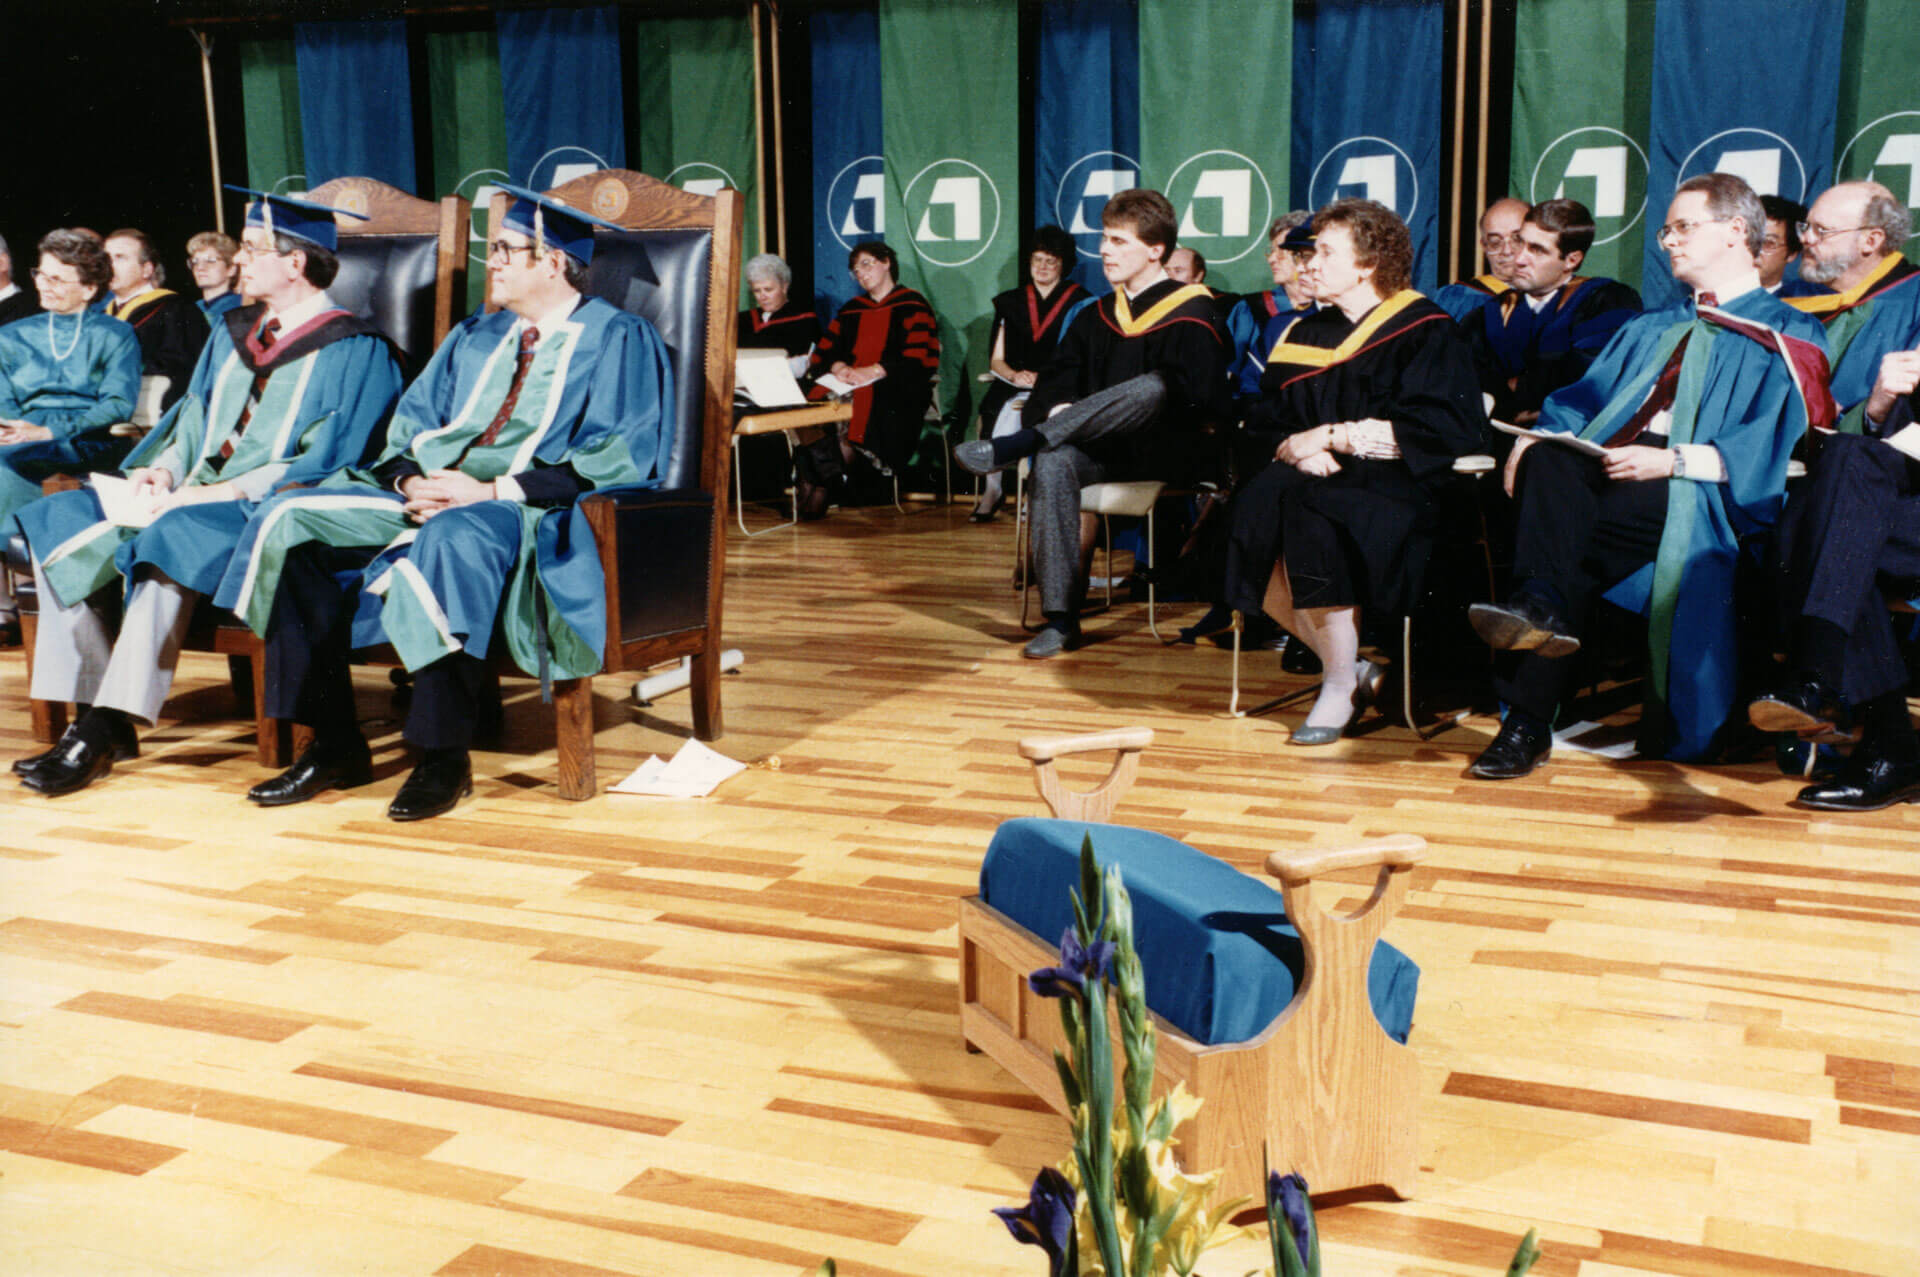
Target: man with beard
x,y
1852,239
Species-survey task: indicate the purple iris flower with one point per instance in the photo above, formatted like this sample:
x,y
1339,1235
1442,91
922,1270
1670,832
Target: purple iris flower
x,y
1046,1221
1078,964
1290,1191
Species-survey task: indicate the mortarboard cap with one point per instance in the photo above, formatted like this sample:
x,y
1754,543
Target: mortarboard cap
x,y
302,219
545,220
1299,239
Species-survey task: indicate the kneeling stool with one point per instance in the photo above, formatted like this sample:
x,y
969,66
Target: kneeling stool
x,y
1289,1022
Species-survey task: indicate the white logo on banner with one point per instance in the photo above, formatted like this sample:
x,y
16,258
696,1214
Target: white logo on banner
x,y
480,191
1757,156
569,162
1893,142
697,177
1601,167
952,202
1222,195
860,186
1370,168
1084,190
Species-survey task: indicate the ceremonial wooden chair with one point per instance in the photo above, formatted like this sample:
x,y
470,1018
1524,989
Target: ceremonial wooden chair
x,y
1321,1087
404,269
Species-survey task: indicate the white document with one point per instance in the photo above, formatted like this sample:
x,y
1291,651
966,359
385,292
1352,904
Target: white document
x,y
834,386
763,379
123,508
1905,440
693,772
1560,437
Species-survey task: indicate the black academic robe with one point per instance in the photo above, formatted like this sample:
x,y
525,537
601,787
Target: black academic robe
x,y
794,328
1185,344
1028,327
1359,537
171,330
19,306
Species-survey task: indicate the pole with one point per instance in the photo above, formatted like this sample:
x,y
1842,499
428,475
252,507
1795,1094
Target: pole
x,y
759,125
1459,131
213,131
1486,77
779,138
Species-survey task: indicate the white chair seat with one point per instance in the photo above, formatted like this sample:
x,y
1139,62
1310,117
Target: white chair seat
x,y
1133,499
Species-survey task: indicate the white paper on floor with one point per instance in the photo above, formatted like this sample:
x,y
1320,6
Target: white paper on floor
x,y
693,772
1600,746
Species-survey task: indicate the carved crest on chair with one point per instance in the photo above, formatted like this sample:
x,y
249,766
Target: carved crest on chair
x,y
609,200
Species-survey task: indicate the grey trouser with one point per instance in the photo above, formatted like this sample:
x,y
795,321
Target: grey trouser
x,y
1063,467
75,659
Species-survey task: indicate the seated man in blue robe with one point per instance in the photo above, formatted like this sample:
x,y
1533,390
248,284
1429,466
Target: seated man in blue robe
x,y
465,524
66,379
1696,409
1857,282
1499,240
1545,331
287,391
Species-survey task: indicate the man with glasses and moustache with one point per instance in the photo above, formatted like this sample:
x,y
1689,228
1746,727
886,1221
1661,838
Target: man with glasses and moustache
x,y
1499,240
465,521
1696,408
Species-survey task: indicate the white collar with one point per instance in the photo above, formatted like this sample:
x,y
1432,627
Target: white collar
x,y
300,312
9,290
1149,284
1540,303
1737,287
549,323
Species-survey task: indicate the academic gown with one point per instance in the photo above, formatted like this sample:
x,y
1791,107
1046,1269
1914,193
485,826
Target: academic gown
x,y
1753,407
1359,537
77,375
593,413
212,310
1029,327
794,328
898,332
1523,355
329,387
1464,299
171,330
1874,319
19,305
1170,328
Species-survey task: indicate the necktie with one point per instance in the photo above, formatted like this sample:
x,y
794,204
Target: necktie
x,y
529,338
269,333
1657,402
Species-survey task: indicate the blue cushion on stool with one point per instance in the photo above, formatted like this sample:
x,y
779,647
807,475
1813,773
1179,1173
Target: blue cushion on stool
x,y
1221,959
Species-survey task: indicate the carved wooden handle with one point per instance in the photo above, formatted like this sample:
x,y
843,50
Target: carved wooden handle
x,y
1395,851
1043,749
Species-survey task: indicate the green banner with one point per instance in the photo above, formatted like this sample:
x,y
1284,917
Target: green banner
x,y
949,109
1222,156
696,110
469,133
1582,92
270,93
1878,133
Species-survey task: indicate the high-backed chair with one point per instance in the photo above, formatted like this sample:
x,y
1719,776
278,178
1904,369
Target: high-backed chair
x,y
405,268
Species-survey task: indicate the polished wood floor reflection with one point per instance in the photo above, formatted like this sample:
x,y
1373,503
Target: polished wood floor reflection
x,y
1663,1016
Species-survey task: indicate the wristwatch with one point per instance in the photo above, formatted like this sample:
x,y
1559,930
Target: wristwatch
x,y
1679,461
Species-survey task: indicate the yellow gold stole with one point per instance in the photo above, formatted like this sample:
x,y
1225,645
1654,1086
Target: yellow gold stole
x,y
1286,352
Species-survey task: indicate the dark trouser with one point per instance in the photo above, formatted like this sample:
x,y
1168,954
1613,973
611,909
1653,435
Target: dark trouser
x,y
1579,533
1063,467
1854,524
309,645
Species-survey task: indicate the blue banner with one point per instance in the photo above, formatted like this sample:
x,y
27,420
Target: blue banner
x,y
560,76
1086,120
1712,113
849,171
1373,135
362,65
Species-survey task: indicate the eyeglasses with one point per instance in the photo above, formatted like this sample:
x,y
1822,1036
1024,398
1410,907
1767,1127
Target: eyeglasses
x,y
1493,243
504,251
1683,230
207,259
44,277
255,250
1813,232
1771,242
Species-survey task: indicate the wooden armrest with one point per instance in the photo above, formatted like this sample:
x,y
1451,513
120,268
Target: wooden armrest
x,y
1473,463
127,430
1043,749
1395,851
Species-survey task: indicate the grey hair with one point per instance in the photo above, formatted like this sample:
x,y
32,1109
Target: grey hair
x,y
1890,217
3,247
1729,197
766,265
1286,222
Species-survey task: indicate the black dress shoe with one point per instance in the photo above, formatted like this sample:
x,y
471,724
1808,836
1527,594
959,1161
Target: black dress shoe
x,y
1521,746
1525,623
1297,658
126,744
74,765
1806,708
442,778
315,772
1218,620
1866,786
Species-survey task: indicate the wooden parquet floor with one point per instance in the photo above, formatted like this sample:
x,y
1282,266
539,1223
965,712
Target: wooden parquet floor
x,y
1663,1016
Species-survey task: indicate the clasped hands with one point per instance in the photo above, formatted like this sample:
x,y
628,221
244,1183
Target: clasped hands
x,y
17,431
1899,375
155,486
863,375
1313,451
437,490
1631,461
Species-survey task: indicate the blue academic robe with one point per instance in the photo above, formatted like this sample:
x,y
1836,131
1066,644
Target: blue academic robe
x,y
218,306
1872,321
1753,411
593,414
1464,299
1254,324
77,375
325,397
1523,355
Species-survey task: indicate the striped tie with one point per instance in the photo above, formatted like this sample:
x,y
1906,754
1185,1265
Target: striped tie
x,y
529,338
268,333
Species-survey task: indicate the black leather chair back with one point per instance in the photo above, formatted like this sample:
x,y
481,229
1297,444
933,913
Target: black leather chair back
x,y
388,280
661,276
